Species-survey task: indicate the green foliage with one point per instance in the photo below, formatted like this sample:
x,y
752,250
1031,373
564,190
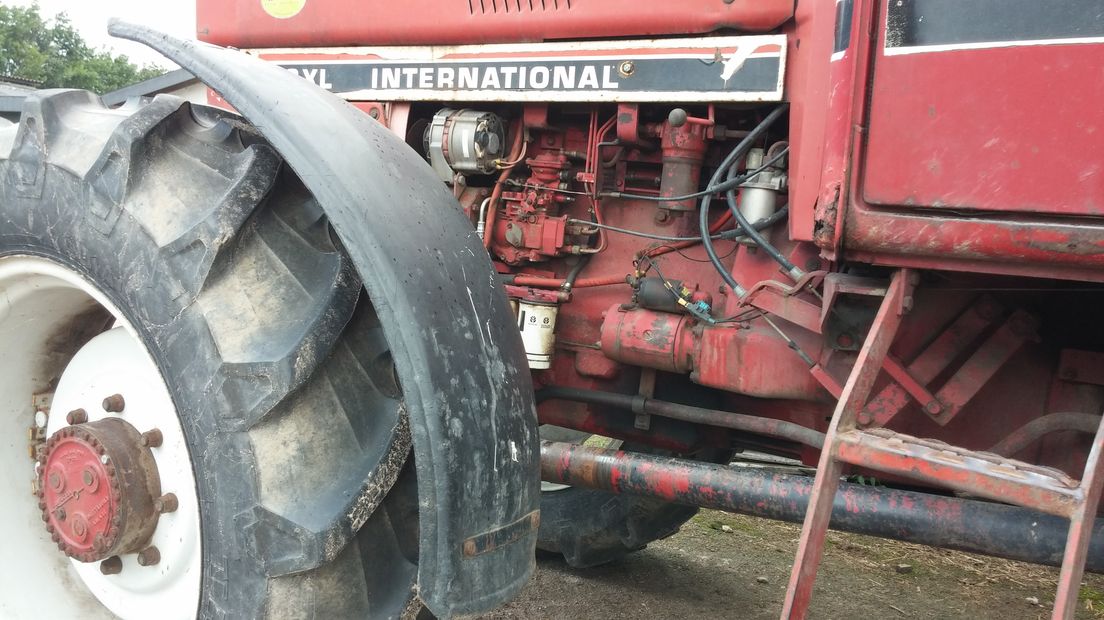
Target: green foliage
x,y
52,52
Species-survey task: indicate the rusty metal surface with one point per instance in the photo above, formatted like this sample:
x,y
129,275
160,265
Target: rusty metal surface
x,y
982,365
97,486
1080,532
967,525
934,359
856,391
980,473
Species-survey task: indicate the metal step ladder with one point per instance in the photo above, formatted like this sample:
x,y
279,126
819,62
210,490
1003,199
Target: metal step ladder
x,y
939,464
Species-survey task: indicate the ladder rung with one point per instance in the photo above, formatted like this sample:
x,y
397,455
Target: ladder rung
x,y
979,473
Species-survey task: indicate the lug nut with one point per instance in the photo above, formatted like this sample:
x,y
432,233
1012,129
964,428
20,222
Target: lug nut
x,y
90,480
166,503
114,403
152,438
60,514
112,565
77,416
149,556
56,483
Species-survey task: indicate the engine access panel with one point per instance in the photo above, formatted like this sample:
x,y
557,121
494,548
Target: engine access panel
x,y
329,23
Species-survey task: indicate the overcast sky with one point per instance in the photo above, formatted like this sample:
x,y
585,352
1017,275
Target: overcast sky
x,y
176,17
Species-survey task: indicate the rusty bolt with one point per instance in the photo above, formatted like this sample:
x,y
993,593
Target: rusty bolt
x,y
166,503
152,438
114,403
55,480
662,216
845,340
149,556
865,417
374,112
933,407
77,416
626,68
79,529
99,543
112,565
60,513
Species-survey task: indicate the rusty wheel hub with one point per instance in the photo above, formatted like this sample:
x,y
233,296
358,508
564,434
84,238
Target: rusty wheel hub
x,y
98,489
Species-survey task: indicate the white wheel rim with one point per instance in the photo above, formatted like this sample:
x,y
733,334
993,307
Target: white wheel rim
x,y
38,299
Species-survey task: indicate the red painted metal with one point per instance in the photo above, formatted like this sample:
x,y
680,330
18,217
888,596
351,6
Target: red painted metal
x,y
971,140
1080,533
979,473
950,343
348,22
896,161
97,487
77,496
855,393
982,365
659,340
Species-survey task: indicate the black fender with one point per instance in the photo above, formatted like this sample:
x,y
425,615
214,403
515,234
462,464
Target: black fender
x,y
456,348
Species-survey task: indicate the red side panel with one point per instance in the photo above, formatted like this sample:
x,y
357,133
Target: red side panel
x,y
246,23
985,105
1001,129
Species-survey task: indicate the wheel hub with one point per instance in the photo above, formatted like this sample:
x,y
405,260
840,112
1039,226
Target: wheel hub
x,y
98,489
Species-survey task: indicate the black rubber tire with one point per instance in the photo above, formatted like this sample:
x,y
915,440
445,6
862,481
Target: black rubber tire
x,y
590,527
274,357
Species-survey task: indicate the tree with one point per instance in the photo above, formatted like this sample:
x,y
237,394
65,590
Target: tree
x,y
53,53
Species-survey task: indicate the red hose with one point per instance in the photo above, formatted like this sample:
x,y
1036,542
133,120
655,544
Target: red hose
x,y
539,282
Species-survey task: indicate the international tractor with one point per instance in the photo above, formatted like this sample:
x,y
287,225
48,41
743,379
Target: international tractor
x,y
431,284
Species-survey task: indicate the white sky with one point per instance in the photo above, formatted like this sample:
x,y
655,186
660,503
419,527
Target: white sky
x,y
175,17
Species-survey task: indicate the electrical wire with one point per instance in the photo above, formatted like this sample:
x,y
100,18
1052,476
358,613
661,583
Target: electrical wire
x,y
728,234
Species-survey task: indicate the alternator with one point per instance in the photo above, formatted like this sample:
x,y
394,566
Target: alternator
x,y
464,141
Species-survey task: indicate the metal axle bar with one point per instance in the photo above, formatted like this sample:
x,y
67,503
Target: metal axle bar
x,y
966,525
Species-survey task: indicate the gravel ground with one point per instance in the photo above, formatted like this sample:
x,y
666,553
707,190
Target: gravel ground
x,y
730,566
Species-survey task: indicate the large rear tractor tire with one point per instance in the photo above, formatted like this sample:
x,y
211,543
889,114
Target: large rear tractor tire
x,y
215,427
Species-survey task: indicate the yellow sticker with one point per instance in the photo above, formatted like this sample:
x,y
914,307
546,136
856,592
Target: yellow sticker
x,y
283,9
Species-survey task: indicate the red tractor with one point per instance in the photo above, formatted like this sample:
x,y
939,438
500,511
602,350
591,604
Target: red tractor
x,y
432,284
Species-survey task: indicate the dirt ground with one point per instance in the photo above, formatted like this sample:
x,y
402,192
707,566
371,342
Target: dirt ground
x,y
729,566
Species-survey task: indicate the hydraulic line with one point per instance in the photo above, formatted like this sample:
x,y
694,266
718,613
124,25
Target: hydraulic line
x,y
703,211
768,427
754,234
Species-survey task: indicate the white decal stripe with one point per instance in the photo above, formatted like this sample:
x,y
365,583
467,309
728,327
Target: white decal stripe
x,y
926,49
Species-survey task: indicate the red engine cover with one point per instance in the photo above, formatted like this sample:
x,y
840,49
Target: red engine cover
x,y
320,23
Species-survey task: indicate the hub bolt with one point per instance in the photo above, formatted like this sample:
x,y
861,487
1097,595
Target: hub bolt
x,y
77,416
166,503
79,528
114,403
152,438
112,565
57,483
149,556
